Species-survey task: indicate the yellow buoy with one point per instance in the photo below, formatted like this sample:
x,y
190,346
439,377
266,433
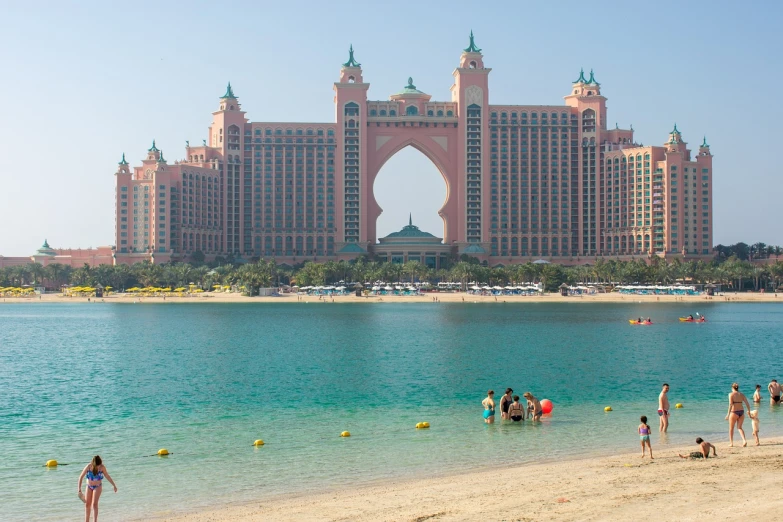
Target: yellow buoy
x,y
345,434
678,405
51,463
425,424
608,408
163,452
259,442
419,425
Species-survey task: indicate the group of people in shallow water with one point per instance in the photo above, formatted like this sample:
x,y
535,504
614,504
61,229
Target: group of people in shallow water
x,y
511,408
735,415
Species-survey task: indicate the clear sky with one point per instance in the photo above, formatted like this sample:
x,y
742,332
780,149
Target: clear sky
x,y
84,82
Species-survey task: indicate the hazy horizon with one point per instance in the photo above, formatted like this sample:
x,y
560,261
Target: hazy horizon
x,y
87,82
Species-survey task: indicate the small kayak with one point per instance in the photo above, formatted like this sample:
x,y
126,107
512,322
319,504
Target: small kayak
x,y
689,320
642,323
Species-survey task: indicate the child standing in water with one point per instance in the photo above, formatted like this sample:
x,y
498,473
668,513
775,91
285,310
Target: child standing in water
x,y
644,435
754,416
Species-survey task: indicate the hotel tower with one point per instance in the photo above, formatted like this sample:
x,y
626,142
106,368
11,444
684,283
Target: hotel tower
x,y
524,182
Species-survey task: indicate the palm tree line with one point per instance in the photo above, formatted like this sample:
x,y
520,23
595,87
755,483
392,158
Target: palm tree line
x,y
732,273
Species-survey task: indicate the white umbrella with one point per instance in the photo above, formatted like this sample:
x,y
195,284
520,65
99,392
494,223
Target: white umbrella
x,y
388,288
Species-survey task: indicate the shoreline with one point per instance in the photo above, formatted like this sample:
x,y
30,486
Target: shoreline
x,y
445,297
616,487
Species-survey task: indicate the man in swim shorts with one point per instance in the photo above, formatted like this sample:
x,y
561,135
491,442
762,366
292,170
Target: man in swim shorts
x,y
663,408
774,392
704,450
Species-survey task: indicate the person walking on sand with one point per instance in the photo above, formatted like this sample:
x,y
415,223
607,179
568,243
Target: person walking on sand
x,y
644,435
516,411
757,394
489,407
736,415
754,416
95,472
505,402
663,408
704,450
774,392
533,406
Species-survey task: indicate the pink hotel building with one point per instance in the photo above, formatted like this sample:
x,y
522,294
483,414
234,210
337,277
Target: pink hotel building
x,y
523,181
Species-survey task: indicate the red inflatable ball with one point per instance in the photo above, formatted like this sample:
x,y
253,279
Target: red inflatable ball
x,y
547,406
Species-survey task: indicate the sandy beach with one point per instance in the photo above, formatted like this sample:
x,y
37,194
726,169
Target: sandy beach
x,y
444,297
740,482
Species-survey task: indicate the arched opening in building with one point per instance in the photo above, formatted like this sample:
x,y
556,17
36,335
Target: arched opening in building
x,y
410,184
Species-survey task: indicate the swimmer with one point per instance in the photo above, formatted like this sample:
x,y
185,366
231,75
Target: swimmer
x,y
736,415
704,450
644,435
489,407
757,394
774,392
533,406
95,471
515,411
754,416
505,402
663,408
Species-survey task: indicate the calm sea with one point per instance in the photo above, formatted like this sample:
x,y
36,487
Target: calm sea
x,y
206,380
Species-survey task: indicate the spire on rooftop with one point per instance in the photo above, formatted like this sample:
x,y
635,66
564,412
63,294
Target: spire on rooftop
x,y
153,148
122,161
675,131
472,47
351,60
410,219
229,92
161,159
581,78
704,143
592,79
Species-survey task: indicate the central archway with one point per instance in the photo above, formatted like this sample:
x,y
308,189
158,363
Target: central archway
x,y
439,145
409,183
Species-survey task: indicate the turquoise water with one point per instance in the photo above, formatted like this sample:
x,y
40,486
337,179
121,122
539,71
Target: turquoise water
x,y
206,380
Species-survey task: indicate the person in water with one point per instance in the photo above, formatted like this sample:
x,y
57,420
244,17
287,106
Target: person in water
x,y
505,402
757,394
533,406
754,416
516,411
704,450
95,472
774,392
690,317
644,435
489,407
736,415
663,408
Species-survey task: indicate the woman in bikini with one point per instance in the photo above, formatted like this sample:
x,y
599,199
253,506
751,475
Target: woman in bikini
x,y
736,415
534,406
516,411
95,472
489,407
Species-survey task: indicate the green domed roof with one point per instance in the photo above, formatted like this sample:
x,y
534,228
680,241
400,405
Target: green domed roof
x,y
45,250
474,249
410,230
409,89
